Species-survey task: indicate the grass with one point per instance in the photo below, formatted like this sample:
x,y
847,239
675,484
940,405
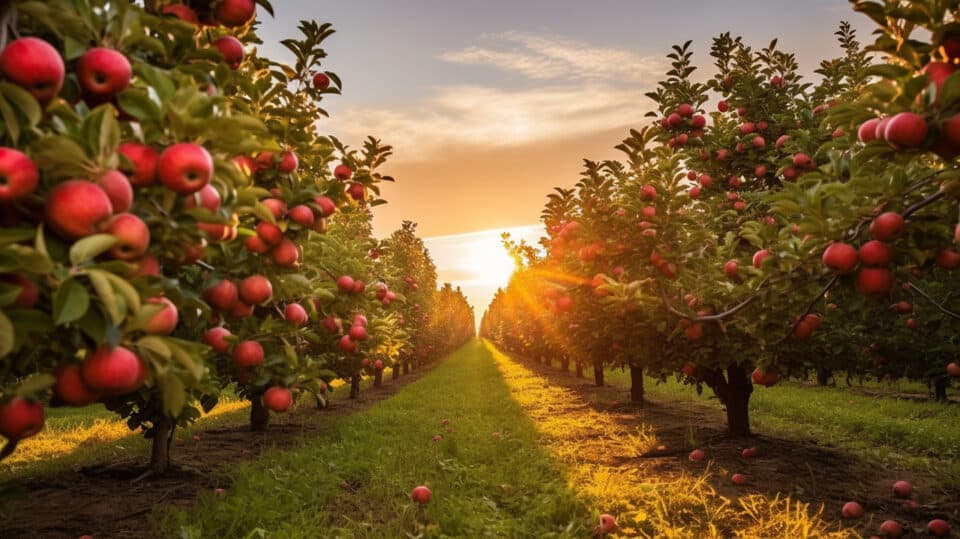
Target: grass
x,y
490,477
899,433
649,500
77,437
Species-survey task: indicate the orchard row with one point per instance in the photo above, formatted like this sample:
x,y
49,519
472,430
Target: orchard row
x,y
764,226
173,222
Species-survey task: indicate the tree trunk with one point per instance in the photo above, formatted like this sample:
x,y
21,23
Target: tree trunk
x,y
160,453
378,379
636,384
406,366
598,373
565,365
735,396
396,371
259,415
579,370
823,376
355,386
940,389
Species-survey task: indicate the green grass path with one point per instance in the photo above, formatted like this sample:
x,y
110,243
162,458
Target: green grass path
x,y
489,476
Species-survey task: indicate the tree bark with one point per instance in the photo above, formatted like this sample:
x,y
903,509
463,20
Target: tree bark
x,y
565,365
636,384
396,371
579,370
355,386
160,451
734,392
940,389
259,415
823,376
598,373
378,379
406,367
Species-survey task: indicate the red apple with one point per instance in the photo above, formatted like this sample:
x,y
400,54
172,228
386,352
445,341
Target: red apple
x,y
902,489
874,281
781,140
231,49
359,320
347,344
34,64
852,510
302,215
147,266
342,172
216,338
103,73
358,333
326,206
359,286
143,159
880,132
840,257
938,73
332,324
18,176
608,524
738,479
255,289
21,418
269,233
164,321
133,236
357,191
938,528
256,245
113,372
749,452
648,192
185,167
906,130
696,455
730,268
875,253
694,332
345,283
953,369
233,13
420,494
285,254
208,197
722,106
222,296
759,257
76,208
321,81
886,226
802,160
891,528
948,258
278,399
117,187
288,162
240,310
868,130
248,354
70,388
295,314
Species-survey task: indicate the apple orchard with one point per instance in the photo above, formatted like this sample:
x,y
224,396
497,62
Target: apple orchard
x,y
177,230
174,223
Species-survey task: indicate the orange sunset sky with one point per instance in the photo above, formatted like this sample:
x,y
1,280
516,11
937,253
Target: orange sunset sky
x,y
489,105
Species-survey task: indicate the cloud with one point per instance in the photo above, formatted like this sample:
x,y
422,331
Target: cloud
x,y
575,89
552,57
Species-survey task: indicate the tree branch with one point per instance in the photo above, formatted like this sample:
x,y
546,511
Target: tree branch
x,y
922,204
810,307
926,296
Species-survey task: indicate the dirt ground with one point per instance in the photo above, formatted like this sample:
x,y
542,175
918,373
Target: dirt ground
x,y
106,502
803,470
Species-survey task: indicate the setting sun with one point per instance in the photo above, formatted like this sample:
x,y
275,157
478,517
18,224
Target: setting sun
x,y
491,262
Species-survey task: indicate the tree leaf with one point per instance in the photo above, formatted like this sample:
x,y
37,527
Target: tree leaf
x,y
36,383
102,285
70,302
25,102
174,394
91,247
6,335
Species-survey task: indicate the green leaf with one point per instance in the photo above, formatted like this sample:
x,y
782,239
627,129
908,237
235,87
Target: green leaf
x,y
129,293
61,156
102,285
25,102
70,302
10,120
187,361
156,345
174,394
91,247
16,235
138,104
6,335
36,383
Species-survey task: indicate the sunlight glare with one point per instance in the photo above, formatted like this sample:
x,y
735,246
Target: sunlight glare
x,y
489,261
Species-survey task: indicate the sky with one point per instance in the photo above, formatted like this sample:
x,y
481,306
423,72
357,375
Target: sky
x,y
489,105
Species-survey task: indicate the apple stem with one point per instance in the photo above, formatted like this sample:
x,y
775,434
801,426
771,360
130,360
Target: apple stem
x,y
942,309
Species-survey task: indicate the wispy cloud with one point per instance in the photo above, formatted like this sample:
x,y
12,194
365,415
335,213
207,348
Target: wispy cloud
x,y
553,57
575,89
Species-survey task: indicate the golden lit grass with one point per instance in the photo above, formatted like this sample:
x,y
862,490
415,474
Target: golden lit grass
x,y
650,498
73,440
